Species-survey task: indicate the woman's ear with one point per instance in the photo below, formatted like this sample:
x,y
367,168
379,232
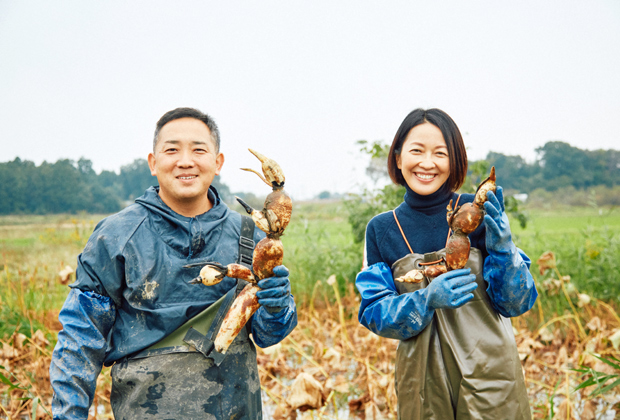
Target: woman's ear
x,y
398,164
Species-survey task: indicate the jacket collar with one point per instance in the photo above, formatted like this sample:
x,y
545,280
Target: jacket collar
x,y
188,235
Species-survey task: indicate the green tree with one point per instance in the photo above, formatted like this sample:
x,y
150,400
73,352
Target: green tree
x,y
136,178
513,172
223,190
15,186
563,165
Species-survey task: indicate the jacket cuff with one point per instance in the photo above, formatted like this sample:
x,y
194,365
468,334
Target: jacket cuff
x,y
271,328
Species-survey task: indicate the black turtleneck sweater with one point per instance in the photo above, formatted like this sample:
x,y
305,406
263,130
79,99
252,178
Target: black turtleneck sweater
x,y
423,219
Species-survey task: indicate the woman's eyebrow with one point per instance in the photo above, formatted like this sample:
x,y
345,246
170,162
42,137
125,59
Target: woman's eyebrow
x,y
421,144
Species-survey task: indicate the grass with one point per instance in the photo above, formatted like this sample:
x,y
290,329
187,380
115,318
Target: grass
x,y
586,242
318,243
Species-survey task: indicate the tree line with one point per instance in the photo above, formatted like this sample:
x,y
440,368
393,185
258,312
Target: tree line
x,y
559,165
67,186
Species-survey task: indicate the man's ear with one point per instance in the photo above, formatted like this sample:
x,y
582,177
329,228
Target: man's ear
x,y
219,162
151,160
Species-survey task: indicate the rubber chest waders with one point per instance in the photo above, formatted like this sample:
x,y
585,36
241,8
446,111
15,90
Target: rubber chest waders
x,y
182,377
464,364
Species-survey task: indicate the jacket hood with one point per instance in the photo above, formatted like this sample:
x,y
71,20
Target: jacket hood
x,y
188,235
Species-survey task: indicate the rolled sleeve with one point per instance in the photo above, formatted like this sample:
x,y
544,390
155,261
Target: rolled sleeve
x,y
511,285
387,313
87,318
271,328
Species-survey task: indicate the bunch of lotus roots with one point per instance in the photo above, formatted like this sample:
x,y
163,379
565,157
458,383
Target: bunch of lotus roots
x,y
462,220
268,253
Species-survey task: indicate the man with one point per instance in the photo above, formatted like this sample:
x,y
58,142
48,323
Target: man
x,y
132,294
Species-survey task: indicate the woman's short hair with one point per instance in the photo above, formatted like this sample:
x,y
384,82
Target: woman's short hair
x,y
451,135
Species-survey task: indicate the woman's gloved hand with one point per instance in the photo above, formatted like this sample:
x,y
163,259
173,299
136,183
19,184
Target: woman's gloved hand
x,y
276,290
498,236
451,290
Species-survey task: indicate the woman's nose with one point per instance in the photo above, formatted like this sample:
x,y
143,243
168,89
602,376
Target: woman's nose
x,y
427,161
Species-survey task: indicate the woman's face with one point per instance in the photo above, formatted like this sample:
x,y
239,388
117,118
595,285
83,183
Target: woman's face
x,y
424,160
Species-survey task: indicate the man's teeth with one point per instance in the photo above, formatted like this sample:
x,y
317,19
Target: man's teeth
x,y
187,177
423,176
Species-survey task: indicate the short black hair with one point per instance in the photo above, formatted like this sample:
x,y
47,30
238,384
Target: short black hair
x,y
451,135
177,113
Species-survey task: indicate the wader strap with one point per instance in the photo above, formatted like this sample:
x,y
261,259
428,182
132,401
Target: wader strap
x,y
246,241
401,231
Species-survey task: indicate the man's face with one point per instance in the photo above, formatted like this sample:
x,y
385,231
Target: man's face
x,y
185,161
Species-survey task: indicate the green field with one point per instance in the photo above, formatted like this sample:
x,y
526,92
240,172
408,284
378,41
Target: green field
x,y
586,242
317,243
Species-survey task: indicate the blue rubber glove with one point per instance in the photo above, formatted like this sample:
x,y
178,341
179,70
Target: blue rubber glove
x,y
451,290
276,290
498,236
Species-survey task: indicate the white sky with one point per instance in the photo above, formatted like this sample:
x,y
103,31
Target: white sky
x,y
301,81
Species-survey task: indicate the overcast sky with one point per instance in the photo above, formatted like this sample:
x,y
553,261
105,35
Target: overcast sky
x,y
302,81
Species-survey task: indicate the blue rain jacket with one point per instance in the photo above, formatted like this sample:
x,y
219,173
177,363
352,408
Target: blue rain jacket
x,y
131,290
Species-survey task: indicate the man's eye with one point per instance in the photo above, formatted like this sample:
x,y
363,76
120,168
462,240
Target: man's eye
x,y
170,150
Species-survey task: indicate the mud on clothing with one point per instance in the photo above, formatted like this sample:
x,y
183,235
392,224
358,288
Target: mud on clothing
x,y
131,290
506,288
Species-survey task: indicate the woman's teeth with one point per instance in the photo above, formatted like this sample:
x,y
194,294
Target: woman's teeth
x,y
423,176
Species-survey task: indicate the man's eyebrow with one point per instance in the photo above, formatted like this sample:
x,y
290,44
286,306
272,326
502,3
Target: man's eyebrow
x,y
178,141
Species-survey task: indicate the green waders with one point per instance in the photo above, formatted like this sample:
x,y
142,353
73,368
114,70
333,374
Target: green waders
x,y
464,364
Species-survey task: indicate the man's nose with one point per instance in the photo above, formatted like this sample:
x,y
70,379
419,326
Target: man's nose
x,y
186,159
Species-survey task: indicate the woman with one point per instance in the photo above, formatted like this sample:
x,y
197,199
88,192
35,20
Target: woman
x,y
457,358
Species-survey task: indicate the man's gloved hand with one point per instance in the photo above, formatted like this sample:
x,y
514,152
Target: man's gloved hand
x,y
451,290
276,290
498,237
